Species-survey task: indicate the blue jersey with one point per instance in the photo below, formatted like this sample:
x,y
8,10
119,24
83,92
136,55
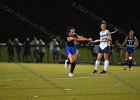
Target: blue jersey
x,y
130,45
70,48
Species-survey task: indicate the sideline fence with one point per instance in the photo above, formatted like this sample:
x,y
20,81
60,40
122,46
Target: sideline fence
x,y
84,55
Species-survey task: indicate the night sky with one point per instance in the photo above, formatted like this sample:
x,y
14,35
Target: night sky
x,y
56,15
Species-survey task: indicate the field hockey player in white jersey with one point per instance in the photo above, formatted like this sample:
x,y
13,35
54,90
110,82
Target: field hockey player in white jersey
x,y
105,40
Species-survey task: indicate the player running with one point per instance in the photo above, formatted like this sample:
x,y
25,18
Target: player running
x,y
130,43
105,39
70,49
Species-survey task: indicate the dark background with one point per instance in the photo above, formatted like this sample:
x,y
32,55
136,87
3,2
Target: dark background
x,y
57,15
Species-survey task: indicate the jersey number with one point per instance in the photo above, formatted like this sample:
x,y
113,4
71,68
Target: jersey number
x,y
130,43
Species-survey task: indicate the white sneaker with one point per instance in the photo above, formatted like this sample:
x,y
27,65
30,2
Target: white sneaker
x,y
66,64
71,75
130,69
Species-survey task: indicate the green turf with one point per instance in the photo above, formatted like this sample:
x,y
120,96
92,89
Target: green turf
x,y
23,81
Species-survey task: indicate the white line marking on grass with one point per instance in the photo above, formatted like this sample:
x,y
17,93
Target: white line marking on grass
x,y
128,76
64,78
15,79
67,89
123,81
35,96
51,78
82,77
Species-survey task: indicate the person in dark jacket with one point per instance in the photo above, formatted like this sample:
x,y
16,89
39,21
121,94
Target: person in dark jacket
x,y
10,50
18,49
27,51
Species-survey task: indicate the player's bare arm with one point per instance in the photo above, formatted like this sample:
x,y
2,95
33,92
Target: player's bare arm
x,y
124,43
79,39
136,42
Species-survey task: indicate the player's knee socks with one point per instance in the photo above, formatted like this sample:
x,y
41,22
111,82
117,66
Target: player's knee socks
x,y
126,62
106,63
72,67
130,62
97,63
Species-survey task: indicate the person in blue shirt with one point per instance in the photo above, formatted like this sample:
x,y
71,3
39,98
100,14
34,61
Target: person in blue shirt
x,y
130,43
70,48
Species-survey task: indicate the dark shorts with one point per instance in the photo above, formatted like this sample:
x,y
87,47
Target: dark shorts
x,y
129,50
105,50
70,50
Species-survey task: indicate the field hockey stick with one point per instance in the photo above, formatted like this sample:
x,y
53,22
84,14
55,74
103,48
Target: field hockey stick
x,y
98,40
95,41
116,30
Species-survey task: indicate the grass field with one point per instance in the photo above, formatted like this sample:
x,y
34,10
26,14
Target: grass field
x,y
27,81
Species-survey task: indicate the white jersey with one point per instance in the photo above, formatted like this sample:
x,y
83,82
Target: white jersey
x,y
103,39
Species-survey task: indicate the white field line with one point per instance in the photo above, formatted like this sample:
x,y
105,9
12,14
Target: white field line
x,y
63,78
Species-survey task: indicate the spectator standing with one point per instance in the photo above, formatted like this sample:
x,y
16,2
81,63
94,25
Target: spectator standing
x,y
10,50
18,49
95,51
111,53
27,51
118,51
41,50
35,44
56,51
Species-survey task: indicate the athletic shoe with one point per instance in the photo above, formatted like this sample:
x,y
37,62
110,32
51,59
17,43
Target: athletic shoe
x,y
103,72
95,71
125,67
130,69
71,75
66,64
